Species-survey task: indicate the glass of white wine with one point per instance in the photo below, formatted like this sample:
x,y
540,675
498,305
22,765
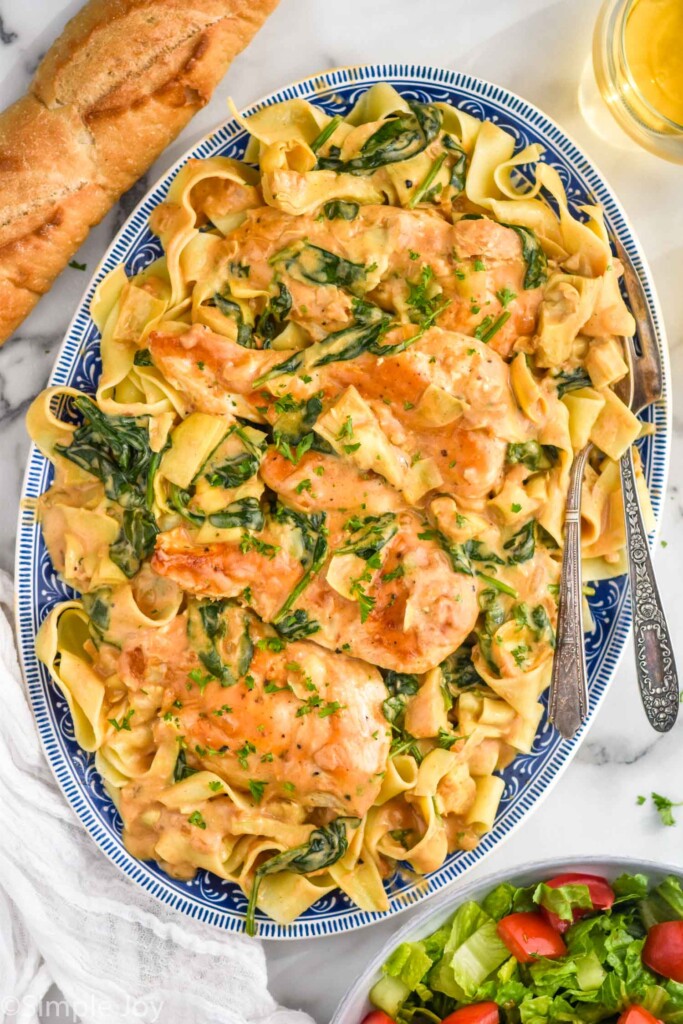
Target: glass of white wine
x,y
638,65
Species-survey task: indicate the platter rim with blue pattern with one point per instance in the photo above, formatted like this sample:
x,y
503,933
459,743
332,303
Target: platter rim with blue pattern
x,y
529,779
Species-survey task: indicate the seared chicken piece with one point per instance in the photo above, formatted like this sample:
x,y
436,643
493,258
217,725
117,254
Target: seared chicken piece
x,y
209,369
474,262
324,483
305,723
469,450
407,615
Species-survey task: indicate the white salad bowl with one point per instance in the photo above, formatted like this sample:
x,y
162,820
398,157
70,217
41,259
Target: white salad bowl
x,y
356,1003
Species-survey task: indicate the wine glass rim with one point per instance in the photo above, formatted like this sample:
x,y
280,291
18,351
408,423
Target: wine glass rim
x,y
668,121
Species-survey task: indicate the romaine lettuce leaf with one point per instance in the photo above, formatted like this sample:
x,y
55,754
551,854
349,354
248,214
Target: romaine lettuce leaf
x,y
563,900
409,962
630,887
665,903
500,901
472,952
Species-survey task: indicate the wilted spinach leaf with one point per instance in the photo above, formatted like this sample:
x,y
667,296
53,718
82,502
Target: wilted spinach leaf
x,y
369,535
398,138
338,209
521,545
231,309
135,540
271,321
533,455
115,449
324,847
572,380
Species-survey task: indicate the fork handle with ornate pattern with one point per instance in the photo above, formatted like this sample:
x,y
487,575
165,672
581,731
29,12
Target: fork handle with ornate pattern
x,y
568,687
655,664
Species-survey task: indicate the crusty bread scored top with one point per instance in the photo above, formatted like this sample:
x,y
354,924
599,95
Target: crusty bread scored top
x,y
115,89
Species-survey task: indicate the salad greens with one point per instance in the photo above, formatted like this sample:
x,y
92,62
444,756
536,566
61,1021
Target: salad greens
x,y
466,962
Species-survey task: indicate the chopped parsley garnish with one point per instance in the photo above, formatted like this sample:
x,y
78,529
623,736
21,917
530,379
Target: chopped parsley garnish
x,y
346,429
519,653
329,708
424,308
271,643
395,574
124,724
271,687
197,820
257,790
225,709
243,753
505,296
250,543
198,677
664,807
310,704
287,403
294,453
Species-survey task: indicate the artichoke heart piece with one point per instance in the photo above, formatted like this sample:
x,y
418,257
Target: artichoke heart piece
x,y
351,428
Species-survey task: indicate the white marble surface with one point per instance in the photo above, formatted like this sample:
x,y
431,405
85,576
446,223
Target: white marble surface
x,y
537,48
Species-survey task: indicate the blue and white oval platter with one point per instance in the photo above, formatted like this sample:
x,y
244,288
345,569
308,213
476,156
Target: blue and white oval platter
x,y
528,779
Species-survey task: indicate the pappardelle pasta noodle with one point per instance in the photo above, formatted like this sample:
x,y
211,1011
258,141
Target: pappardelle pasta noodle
x,y
314,509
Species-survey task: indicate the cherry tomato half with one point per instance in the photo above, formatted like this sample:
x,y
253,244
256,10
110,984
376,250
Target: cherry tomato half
x,y
478,1013
377,1017
663,949
637,1015
601,894
530,935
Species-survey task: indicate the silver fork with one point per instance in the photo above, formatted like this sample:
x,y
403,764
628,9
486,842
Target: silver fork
x,y
655,662
568,703
655,665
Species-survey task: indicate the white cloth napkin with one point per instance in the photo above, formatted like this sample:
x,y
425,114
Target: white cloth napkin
x,y
67,916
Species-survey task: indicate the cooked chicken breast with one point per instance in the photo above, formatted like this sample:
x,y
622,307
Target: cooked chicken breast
x,y
296,718
418,609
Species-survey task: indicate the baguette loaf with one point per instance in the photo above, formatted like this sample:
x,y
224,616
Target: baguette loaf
x,y
115,89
